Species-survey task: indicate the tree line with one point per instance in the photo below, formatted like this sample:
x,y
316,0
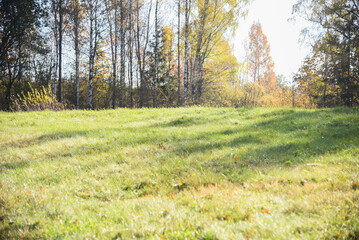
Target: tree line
x,y
112,53
98,54
329,76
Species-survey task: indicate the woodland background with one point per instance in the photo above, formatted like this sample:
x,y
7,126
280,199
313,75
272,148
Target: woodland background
x,y
98,54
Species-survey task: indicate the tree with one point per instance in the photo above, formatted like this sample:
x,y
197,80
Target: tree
x,y
186,64
214,19
76,29
261,65
144,71
19,23
155,80
220,76
59,10
123,45
336,42
141,45
315,79
179,52
92,8
112,18
166,87
130,47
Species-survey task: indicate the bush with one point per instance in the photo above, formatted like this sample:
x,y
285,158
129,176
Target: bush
x,y
35,100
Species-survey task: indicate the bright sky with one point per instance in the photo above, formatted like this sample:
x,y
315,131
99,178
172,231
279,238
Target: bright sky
x,y
286,51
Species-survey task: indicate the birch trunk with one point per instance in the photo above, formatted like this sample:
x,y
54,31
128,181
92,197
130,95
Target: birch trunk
x,y
179,54
122,68
195,80
91,55
56,31
60,52
186,75
131,55
77,52
141,52
156,58
113,42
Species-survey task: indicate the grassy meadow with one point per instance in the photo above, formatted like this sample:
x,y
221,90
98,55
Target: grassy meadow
x,y
186,173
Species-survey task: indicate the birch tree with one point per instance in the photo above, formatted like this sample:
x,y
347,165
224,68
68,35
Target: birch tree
x,y
123,45
130,46
186,66
93,42
179,52
112,20
142,41
155,80
76,18
60,29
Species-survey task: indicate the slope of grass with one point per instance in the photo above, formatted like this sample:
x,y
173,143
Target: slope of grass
x,y
197,173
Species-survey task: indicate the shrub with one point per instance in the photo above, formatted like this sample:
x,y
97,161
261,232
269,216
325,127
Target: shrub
x,y
35,100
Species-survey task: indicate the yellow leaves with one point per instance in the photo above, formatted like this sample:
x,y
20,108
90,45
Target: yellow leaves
x,y
36,100
167,36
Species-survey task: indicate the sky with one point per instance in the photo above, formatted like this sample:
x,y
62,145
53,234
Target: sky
x,y
283,35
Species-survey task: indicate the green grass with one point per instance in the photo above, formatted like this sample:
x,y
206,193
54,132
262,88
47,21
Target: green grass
x,y
195,173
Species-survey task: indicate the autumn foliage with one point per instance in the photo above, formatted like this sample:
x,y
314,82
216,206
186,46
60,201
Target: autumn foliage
x,y
36,100
260,62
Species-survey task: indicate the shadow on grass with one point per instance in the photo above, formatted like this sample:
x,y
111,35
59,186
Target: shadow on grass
x,y
278,137
197,119
8,229
86,149
287,137
24,143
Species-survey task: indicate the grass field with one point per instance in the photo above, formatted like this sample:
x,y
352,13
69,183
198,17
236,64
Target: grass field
x,y
195,173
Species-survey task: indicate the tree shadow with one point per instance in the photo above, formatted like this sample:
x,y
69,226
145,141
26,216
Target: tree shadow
x,y
294,137
278,137
24,143
86,149
197,119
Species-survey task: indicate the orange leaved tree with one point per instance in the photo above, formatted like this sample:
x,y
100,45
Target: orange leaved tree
x,y
261,65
